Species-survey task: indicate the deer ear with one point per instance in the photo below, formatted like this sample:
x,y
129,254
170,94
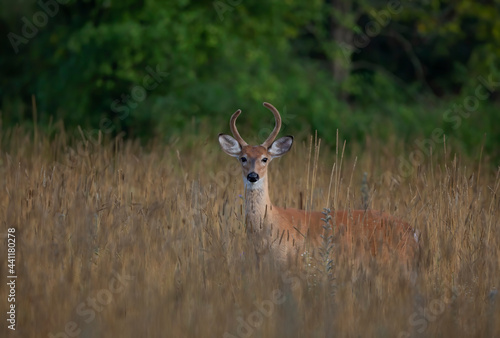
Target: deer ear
x,y
281,146
229,145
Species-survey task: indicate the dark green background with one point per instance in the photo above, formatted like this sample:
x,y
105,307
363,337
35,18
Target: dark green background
x,y
380,67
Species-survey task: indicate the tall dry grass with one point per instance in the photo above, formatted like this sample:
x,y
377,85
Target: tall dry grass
x,y
168,219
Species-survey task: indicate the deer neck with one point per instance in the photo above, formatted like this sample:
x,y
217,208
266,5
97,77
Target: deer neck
x,y
258,207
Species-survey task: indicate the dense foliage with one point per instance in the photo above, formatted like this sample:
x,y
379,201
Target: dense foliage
x,y
148,68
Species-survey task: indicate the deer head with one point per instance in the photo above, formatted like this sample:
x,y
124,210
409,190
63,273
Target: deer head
x,y
254,160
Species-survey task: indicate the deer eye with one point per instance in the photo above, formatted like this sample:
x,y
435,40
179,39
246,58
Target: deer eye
x,y
243,159
264,159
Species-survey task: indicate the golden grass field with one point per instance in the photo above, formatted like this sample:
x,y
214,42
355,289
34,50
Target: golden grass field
x,y
122,240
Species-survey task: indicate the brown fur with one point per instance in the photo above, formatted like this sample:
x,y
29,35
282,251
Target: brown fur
x,y
368,231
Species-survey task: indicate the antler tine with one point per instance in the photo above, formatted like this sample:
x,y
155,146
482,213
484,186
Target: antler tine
x,y
277,127
234,130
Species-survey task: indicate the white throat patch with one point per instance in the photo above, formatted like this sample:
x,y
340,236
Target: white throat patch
x,y
254,186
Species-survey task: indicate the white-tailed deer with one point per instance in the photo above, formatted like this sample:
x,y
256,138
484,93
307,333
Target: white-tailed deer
x,y
285,231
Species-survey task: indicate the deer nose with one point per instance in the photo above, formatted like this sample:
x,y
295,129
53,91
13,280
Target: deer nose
x,y
253,177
